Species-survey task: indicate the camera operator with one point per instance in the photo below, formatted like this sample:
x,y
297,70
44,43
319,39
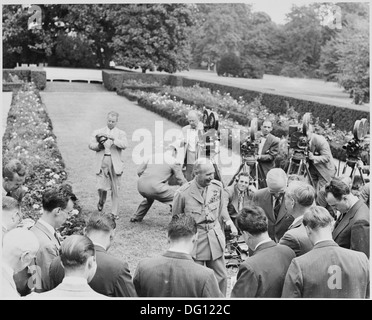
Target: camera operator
x,y
321,164
267,151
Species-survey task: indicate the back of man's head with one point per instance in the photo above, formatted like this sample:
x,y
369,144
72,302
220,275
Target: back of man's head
x,y
182,226
276,180
19,248
100,228
317,217
75,252
301,192
57,197
11,212
338,188
253,219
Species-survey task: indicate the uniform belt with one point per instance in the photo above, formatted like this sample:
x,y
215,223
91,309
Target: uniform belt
x,y
107,155
207,226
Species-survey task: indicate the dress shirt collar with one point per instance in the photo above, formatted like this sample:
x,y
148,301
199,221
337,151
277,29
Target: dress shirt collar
x,y
261,242
319,241
47,225
99,245
295,220
75,280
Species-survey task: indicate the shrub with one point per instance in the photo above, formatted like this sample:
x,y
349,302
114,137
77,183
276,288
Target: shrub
x,y
252,67
291,70
229,65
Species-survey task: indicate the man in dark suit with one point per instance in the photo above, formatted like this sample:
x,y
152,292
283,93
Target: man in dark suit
x,y
262,274
267,151
153,183
299,197
321,164
351,229
327,271
175,274
58,204
271,200
112,277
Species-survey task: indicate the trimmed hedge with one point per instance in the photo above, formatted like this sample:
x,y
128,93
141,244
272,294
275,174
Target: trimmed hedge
x,y
11,86
26,75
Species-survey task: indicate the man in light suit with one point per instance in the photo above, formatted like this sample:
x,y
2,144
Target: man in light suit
x,y
175,274
238,195
108,143
153,183
18,251
202,198
267,151
299,197
351,229
327,271
271,200
189,142
321,164
79,261
112,277
58,204
262,274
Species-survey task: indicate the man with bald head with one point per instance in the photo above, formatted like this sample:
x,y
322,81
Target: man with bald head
x,y
271,200
19,250
189,141
202,198
11,214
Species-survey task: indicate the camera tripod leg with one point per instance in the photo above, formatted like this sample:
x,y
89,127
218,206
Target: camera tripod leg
x,y
241,167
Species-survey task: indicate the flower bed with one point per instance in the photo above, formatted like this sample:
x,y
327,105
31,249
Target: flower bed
x,y
173,107
29,138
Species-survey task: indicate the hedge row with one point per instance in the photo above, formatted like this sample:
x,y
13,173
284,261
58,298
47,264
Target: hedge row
x,y
27,75
343,118
29,138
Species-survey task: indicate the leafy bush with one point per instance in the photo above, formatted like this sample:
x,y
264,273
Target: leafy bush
x,y
25,75
229,65
252,67
291,70
29,138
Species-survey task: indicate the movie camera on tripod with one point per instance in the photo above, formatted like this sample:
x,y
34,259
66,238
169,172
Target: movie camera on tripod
x,y
299,144
354,148
209,139
249,152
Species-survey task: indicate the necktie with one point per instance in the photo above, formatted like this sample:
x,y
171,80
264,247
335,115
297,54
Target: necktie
x,y
277,207
57,238
240,201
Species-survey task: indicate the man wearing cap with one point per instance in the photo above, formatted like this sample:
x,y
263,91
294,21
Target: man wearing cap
x,y
108,142
202,198
189,141
271,199
153,183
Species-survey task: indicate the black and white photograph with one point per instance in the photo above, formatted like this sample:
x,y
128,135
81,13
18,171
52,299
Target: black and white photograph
x,y
194,151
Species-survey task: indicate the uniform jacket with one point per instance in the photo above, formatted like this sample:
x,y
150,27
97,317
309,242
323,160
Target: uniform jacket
x,y
119,144
112,277
48,251
263,273
323,159
175,274
328,271
231,200
278,227
154,177
296,238
269,152
211,240
352,232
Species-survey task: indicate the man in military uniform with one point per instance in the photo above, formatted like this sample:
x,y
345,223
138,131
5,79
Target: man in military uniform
x,y
202,198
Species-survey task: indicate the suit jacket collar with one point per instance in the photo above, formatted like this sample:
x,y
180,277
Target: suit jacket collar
x,y
177,255
346,218
264,246
297,223
326,243
45,230
235,199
